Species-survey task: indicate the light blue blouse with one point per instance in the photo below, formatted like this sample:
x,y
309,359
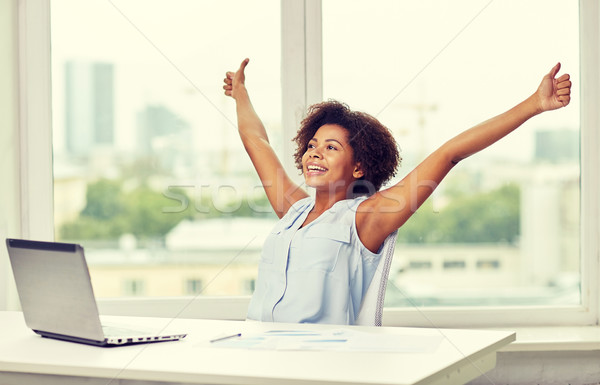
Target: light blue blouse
x,y
318,273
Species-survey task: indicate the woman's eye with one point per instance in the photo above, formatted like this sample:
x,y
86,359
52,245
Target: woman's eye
x,y
330,147
311,146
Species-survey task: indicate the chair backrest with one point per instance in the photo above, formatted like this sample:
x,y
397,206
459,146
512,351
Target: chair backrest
x,y
371,309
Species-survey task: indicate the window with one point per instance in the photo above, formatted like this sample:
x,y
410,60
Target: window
x,y
453,264
401,114
133,287
249,285
149,171
420,265
193,286
429,70
488,264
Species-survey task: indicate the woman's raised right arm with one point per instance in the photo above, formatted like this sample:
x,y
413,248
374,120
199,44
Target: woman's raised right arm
x,y
281,191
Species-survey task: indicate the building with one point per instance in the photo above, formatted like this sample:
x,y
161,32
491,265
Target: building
x,y
89,106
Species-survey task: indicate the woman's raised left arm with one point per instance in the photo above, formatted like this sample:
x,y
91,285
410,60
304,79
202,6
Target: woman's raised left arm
x,y
389,209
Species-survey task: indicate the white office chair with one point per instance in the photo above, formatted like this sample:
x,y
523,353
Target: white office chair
x,y
371,309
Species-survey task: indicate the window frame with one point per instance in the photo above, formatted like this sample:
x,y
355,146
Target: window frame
x,y
302,86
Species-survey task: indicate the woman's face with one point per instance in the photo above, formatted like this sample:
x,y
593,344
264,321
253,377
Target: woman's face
x,y
328,163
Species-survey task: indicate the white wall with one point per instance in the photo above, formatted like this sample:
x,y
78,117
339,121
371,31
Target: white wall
x,y
544,368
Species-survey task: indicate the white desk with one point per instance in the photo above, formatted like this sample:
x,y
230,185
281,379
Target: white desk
x,y
27,358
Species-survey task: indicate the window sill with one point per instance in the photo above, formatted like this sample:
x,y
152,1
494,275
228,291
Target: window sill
x,y
555,338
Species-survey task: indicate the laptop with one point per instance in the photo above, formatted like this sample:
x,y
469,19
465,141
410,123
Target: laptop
x,y
57,299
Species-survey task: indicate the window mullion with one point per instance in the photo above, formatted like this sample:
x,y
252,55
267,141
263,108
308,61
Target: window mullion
x,y
314,52
35,120
301,68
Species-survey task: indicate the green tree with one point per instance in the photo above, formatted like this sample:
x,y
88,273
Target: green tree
x,y
147,215
481,218
110,212
101,218
104,200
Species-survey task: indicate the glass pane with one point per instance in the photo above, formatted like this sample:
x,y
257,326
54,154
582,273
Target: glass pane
x,y
150,175
503,228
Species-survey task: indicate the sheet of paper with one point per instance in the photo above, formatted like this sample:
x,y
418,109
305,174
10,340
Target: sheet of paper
x,y
337,340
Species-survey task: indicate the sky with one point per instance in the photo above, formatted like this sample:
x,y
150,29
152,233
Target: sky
x,y
427,69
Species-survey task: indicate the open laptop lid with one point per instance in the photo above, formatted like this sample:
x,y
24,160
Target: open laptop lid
x,y
55,289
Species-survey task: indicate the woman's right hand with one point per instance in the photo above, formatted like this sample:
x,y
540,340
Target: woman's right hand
x,y
235,80
554,93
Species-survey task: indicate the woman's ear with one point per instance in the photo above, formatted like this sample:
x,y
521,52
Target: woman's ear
x,y
358,172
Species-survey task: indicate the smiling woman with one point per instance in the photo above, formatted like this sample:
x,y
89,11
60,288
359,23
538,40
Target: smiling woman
x,y
332,166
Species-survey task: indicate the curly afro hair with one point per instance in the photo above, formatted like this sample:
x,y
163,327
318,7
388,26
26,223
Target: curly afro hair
x,y
373,145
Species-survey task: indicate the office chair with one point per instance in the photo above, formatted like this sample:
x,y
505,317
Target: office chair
x,y
371,308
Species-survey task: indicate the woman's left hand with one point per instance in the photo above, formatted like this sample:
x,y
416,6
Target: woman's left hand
x,y
554,93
